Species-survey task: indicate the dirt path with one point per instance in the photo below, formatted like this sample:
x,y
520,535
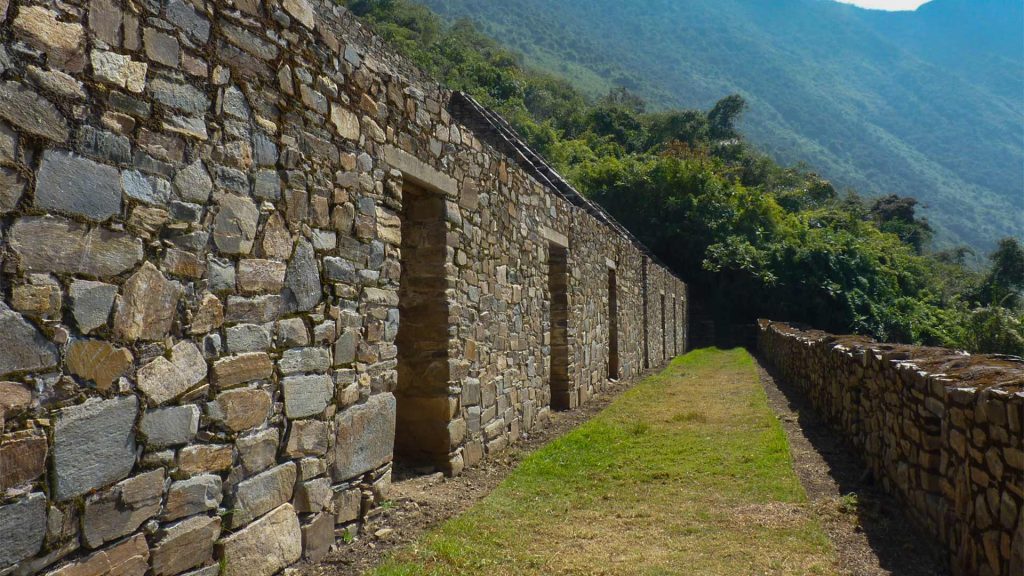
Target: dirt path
x,y
871,535
420,502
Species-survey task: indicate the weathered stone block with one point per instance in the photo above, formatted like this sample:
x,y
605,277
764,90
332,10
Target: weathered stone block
x,y
78,186
241,369
148,306
307,438
22,528
306,396
240,409
12,188
153,191
184,16
205,458
317,537
314,495
258,451
193,496
299,360
262,493
91,303
119,70
234,228
365,437
265,546
303,290
193,183
261,276
99,362
63,42
129,558
182,97
122,509
247,338
72,248
347,505
170,426
22,458
161,47
185,545
93,445
25,348
161,381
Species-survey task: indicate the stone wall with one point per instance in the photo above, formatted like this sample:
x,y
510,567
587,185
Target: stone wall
x,y
213,216
940,429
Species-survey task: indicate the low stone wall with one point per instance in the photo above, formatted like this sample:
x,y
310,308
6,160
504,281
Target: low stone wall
x,y
215,220
940,429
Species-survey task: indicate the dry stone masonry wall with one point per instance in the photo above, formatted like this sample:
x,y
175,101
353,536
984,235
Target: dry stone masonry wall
x,y
940,429
246,252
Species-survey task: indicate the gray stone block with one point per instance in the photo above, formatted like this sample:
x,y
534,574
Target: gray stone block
x,y
262,493
302,281
185,545
299,360
32,113
72,248
122,509
93,445
171,426
365,437
22,529
306,396
265,546
78,186
193,496
24,347
91,303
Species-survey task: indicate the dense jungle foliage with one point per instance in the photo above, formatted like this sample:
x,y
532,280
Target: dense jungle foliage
x,y
752,238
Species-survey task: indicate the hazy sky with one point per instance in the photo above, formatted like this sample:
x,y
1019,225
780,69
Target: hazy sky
x,y
888,4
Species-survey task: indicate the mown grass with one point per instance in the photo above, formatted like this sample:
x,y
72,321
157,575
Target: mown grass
x,y
687,473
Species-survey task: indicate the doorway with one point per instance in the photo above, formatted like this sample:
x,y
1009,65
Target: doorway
x,y
421,435
558,287
613,326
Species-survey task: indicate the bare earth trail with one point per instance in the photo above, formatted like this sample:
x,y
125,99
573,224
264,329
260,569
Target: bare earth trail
x,y
724,529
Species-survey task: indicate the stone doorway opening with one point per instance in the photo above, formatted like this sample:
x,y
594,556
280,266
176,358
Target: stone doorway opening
x,y
664,331
421,434
613,326
558,287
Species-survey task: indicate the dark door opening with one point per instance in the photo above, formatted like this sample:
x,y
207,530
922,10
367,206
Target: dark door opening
x,y
421,435
558,287
675,326
664,331
613,326
645,297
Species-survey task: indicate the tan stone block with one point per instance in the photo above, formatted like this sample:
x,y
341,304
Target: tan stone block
x,y
243,368
22,459
98,361
261,276
240,409
205,458
263,547
129,558
63,42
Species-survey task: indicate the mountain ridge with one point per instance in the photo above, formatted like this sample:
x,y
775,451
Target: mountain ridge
x,y
829,84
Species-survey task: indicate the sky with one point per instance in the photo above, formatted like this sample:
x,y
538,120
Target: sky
x,y
887,4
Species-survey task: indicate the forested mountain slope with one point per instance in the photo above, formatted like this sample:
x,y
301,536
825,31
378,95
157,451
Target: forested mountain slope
x,y
928,104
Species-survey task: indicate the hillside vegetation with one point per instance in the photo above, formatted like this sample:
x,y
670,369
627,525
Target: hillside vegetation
x,y
753,238
925,104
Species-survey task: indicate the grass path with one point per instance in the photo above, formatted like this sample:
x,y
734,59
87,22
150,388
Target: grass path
x,y
687,473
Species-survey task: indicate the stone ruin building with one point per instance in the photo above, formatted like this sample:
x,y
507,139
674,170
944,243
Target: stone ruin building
x,y
251,260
